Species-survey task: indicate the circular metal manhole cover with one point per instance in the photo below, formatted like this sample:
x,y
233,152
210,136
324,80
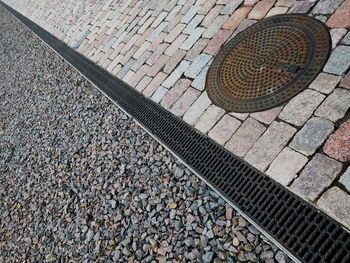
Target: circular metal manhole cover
x,y
268,63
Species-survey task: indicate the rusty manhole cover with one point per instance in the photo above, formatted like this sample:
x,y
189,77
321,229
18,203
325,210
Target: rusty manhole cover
x,y
268,63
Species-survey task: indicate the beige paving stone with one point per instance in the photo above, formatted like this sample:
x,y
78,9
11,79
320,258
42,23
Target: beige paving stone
x,y
230,7
174,33
261,9
192,39
345,82
209,118
267,116
277,11
139,75
176,74
199,82
146,25
174,11
286,166
224,129
197,65
197,48
143,37
336,203
236,18
141,50
175,93
185,101
159,94
157,42
157,67
207,6
217,41
210,17
317,175
190,14
335,105
325,83
143,83
301,107
193,24
154,84
174,61
240,116
286,3
128,76
175,45
156,54
245,137
215,26
159,19
276,138
197,109
336,35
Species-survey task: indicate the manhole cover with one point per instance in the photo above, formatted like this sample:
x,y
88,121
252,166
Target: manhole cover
x,y
268,63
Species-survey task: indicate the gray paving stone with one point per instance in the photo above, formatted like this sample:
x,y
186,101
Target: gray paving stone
x,y
325,83
141,60
157,31
176,74
345,179
243,25
195,35
286,3
326,6
224,129
197,109
209,118
317,175
199,82
346,39
302,6
159,94
276,137
215,26
174,33
240,116
197,65
336,35
230,7
300,108
193,24
335,105
312,136
321,18
339,61
286,166
190,14
336,203
185,101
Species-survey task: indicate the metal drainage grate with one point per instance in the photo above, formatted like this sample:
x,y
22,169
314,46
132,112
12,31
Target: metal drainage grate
x,y
268,63
306,233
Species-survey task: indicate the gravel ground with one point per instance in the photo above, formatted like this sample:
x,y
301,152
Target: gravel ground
x,y
80,181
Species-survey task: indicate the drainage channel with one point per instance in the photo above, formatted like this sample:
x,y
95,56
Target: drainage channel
x,y
297,227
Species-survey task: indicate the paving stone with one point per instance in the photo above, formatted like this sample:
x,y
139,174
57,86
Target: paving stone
x,y
159,94
157,31
174,61
185,101
197,65
317,175
276,137
277,11
250,2
341,17
197,109
143,83
173,13
146,25
336,203
128,76
159,19
175,93
326,7
141,50
224,129
286,3
230,7
197,48
243,25
286,166
154,84
321,18
345,82
336,35
338,144
261,9
209,118
325,83
173,23
302,7
176,74
346,39
156,54
267,116
210,17
199,82
141,60
158,66
215,26
345,179
207,6
179,41
335,105
236,18
174,33
140,73
241,116
245,137
190,14
189,42
193,24
312,136
300,108
339,61
218,40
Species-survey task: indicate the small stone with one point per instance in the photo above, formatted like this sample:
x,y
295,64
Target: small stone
x,y
338,144
341,17
312,136
276,137
286,166
335,105
280,257
235,242
210,234
229,211
345,179
266,254
172,205
224,129
300,108
345,83
325,83
267,116
317,175
336,203
326,7
208,257
339,61
261,9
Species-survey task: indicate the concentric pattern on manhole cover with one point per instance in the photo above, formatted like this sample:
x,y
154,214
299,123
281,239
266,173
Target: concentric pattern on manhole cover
x,y
268,63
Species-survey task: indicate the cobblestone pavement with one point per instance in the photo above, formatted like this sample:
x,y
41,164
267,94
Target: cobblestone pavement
x,y
164,48
80,181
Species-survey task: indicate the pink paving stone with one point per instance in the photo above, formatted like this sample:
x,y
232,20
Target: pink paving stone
x,y
156,54
250,2
245,137
267,116
174,93
143,83
174,33
197,48
338,144
236,18
345,82
341,17
174,61
261,9
224,129
143,37
157,66
218,40
173,23
175,45
154,84
185,101
208,4
213,13
155,44
139,75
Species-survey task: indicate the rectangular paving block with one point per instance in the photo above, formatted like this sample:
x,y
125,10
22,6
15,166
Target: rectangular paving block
x,y
197,109
174,61
197,65
339,61
325,83
236,18
267,116
195,35
193,24
176,74
230,7
345,179
171,50
224,129
217,41
185,101
199,82
209,118
175,93
154,84
261,9
215,26
159,94
326,7
270,144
